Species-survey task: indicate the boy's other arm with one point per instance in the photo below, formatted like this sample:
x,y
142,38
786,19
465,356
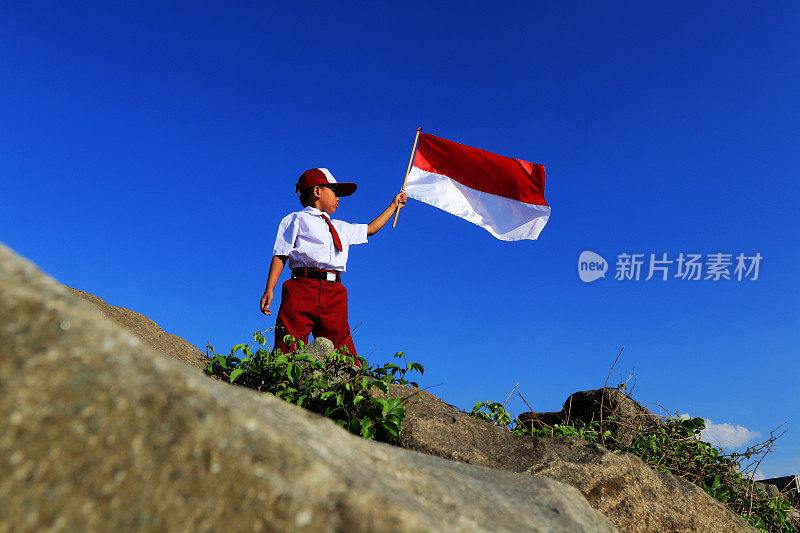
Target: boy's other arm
x,y
275,269
398,202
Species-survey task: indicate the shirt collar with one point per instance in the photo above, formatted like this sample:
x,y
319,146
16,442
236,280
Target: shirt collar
x,y
313,211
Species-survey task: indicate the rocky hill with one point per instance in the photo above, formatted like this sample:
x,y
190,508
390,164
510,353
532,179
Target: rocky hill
x,y
107,427
148,331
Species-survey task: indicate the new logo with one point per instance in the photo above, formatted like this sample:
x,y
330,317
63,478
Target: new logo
x,y
591,266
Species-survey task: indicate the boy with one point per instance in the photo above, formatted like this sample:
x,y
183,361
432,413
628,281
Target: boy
x,y
316,248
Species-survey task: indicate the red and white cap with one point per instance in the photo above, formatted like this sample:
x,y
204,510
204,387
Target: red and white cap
x,y
322,176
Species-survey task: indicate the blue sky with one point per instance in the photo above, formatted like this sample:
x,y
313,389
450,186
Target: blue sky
x,y
149,150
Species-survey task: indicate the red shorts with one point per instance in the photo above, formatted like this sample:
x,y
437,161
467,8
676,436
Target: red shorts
x,y
313,306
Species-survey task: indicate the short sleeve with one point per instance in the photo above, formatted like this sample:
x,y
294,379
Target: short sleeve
x,y
353,233
287,233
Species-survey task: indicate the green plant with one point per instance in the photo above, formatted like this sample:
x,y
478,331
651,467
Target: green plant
x,y
391,371
335,387
492,412
588,432
676,448
673,447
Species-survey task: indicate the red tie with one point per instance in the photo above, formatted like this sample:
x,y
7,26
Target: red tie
x,y
336,241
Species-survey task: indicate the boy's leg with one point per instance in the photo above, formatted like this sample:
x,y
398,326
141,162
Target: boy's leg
x,y
299,304
333,323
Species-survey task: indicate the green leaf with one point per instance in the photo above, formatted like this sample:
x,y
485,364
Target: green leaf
x,y
236,373
390,428
380,403
332,411
385,407
397,414
237,348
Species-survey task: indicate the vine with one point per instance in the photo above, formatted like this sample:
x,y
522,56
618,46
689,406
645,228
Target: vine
x,y
335,387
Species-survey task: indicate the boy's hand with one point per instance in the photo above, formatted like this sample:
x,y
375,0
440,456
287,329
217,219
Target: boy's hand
x,y
275,269
265,301
399,200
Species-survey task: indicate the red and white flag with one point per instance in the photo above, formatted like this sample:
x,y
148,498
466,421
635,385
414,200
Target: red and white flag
x,y
504,196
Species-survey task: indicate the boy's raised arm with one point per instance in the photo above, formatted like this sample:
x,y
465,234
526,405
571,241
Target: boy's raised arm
x,y
275,269
398,202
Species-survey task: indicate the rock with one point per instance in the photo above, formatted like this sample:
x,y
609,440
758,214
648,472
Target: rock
x,y
786,486
622,415
630,493
102,432
148,331
767,489
319,349
625,489
541,420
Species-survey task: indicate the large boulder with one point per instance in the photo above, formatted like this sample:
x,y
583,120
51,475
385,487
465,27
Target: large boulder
x,y
102,432
148,331
625,489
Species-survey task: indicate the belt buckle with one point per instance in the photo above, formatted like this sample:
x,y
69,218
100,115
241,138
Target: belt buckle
x,y
330,276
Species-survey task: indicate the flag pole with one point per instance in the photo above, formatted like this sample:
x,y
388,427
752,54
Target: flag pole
x,y
410,162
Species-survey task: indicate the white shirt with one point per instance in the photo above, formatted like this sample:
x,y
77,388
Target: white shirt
x,y
305,237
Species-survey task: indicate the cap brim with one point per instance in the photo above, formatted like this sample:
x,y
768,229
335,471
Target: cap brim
x,y
344,189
